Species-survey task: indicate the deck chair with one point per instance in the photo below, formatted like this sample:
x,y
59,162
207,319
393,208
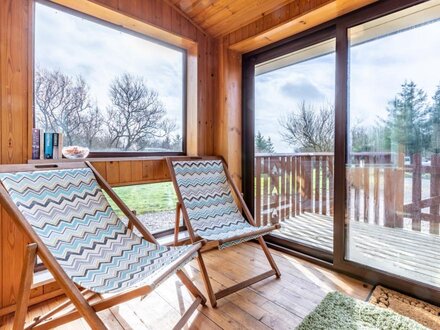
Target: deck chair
x,y
87,248
203,186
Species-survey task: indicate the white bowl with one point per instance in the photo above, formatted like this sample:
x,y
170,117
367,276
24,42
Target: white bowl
x,y
75,152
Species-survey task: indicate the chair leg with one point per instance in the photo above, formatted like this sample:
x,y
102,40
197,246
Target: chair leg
x,y
269,256
177,224
41,318
25,286
185,317
206,281
190,286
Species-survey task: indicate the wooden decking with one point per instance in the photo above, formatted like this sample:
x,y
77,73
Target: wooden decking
x,y
270,304
408,253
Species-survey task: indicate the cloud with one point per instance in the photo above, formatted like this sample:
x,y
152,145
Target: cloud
x,y
302,89
99,53
377,70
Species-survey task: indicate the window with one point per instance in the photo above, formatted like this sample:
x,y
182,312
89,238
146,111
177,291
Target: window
x,y
107,88
394,147
373,208
294,143
154,203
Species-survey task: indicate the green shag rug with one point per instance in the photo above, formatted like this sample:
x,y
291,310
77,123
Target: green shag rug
x,y
337,311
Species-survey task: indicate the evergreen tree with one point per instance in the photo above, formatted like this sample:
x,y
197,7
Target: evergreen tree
x,y
263,145
435,122
361,139
408,120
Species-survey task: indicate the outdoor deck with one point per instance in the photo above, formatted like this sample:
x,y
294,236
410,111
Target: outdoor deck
x,y
412,254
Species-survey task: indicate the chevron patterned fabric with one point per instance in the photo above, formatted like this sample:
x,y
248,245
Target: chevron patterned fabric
x,y
70,213
208,200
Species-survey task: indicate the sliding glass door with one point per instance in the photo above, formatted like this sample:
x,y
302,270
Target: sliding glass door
x,y
342,143
294,142
393,163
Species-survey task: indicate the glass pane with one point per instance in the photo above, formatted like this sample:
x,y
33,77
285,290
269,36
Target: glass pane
x,y
294,125
154,203
393,177
104,87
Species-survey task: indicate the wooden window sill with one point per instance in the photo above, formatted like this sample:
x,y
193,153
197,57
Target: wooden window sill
x,y
94,160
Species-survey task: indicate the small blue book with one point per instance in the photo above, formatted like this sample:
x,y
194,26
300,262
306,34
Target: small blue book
x,y
48,145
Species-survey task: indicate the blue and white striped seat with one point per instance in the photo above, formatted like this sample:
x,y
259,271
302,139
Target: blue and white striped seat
x,y
70,213
208,200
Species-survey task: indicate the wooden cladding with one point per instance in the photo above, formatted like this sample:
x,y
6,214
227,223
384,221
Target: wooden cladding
x,y
122,173
15,86
223,16
291,19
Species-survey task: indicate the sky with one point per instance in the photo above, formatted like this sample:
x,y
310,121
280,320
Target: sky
x,y
77,46
377,70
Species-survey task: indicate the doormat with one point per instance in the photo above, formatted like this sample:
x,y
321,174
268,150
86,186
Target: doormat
x,y
338,311
418,310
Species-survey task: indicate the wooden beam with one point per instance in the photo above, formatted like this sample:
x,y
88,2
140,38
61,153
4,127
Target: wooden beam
x,y
182,13
122,19
243,42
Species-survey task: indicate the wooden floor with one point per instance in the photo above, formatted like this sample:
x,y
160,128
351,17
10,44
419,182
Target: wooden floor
x,y
270,304
401,251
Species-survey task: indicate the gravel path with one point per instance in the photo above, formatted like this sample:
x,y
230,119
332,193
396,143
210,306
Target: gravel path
x,y
158,221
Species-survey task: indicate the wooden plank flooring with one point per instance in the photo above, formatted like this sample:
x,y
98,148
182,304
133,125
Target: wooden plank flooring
x,y
401,251
270,304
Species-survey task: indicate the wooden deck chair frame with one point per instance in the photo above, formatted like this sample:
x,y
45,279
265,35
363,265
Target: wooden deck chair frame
x,y
80,299
214,296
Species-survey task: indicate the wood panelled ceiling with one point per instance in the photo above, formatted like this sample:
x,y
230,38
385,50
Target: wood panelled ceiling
x,y
220,17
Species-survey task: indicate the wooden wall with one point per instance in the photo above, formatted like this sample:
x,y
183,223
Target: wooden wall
x,y
15,61
15,111
228,115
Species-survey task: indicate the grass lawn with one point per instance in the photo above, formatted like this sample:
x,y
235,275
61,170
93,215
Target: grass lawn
x,y
147,198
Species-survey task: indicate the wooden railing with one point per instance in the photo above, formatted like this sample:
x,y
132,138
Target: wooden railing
x,y
289,185
381,189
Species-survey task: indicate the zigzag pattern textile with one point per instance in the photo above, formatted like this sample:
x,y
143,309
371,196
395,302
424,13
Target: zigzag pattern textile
x,y
207,197
70,213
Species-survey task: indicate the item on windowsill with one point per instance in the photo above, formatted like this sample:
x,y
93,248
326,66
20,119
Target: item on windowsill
x,y
36,143
48,145
56,147
41,144
75,152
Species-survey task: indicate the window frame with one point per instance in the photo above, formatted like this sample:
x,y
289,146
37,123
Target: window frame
x,y
182,50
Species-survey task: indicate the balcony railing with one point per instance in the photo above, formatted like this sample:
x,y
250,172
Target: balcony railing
x,y
382,188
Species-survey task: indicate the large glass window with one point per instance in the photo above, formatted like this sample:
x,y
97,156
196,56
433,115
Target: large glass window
x,y
393,177
361,124
154,203
294,143
104,87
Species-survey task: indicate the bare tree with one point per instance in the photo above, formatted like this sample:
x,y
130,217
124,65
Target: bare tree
x,y
63,104
92,126
309,128
136,116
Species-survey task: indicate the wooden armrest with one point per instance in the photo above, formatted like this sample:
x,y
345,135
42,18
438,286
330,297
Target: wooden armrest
x,y
175,264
